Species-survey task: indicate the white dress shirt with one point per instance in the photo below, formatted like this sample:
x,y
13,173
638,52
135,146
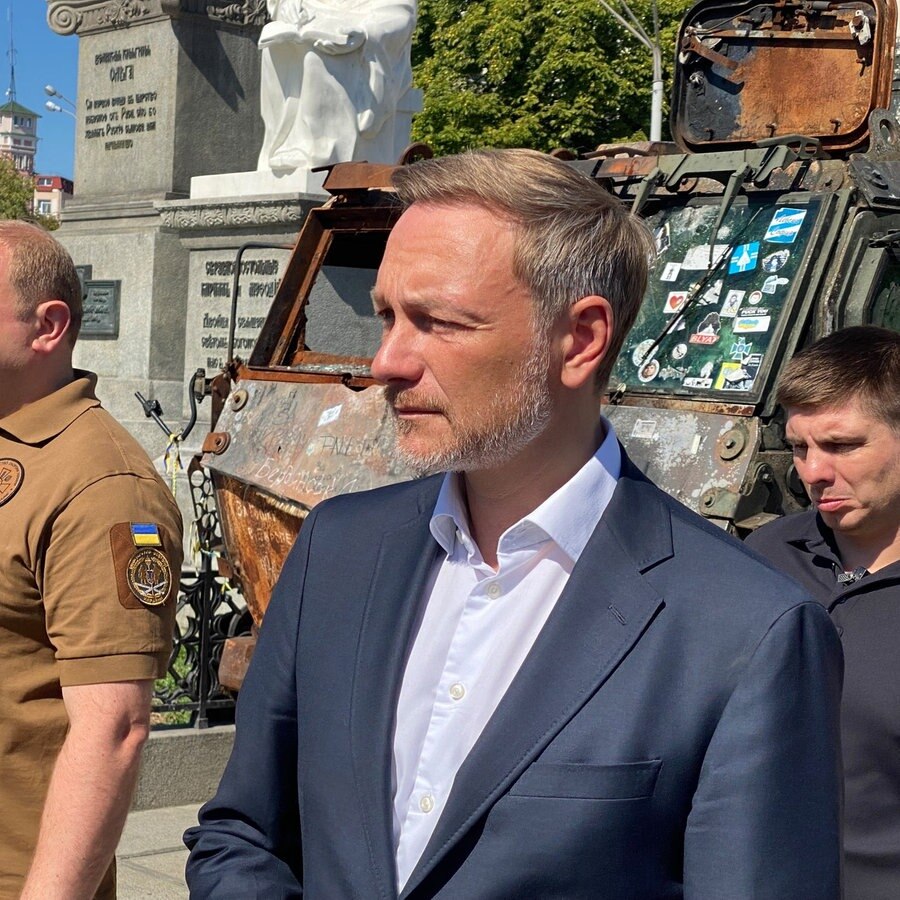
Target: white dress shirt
x,y
476,629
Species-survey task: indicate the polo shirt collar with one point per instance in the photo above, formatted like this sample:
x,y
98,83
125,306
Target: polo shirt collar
x,y
568,517
43,419
816,537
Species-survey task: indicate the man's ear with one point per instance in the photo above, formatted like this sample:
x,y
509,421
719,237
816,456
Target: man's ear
x,y
53,319
587,339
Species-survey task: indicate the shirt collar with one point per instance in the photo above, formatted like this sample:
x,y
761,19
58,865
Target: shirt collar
x,y
816,537
568,517
45,418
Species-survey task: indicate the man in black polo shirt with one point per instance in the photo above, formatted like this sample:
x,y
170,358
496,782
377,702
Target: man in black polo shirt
x,y
842,398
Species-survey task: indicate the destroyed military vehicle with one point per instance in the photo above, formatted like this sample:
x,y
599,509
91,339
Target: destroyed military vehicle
x,y
776,212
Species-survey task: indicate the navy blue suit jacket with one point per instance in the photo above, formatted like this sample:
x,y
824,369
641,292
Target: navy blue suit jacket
x,y
673,732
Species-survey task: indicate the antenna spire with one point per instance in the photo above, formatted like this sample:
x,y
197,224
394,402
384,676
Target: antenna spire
x,y
11,53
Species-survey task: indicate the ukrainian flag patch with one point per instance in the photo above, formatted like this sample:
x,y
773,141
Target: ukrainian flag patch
x,y
145,535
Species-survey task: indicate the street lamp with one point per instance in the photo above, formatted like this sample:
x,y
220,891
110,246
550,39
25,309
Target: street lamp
x,y
55,107
636,30
53,92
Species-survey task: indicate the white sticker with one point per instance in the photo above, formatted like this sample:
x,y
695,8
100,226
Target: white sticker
x,y
712,294
785,225
674,302
641,351
697,382
750,324
329,415
775,261
644,429
772,283
732,304
649,372
670,271
697,258
739,375
679,350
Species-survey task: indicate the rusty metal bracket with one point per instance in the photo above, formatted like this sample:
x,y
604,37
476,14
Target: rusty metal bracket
x,y
236,656
692,44
783,151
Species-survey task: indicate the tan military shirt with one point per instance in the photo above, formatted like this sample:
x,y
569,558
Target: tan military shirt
x,y
90,555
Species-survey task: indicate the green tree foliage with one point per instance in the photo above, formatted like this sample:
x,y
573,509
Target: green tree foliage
x,y
16,192
17,196
535,73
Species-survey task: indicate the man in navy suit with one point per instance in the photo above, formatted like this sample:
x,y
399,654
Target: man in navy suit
x,y
536,675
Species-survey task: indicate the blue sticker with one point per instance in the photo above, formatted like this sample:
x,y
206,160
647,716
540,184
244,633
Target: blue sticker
x,y
744,258
785,225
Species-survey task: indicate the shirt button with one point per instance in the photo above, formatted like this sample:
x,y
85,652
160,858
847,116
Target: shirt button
x,y
494,590
426,803
457,691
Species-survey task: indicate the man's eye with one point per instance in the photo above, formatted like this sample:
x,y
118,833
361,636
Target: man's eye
x,y
433,323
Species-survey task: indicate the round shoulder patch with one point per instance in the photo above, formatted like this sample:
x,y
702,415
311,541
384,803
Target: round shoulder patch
x,y
12,474
149,576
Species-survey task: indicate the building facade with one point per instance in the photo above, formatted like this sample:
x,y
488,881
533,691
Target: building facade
x,y
51,193
18,135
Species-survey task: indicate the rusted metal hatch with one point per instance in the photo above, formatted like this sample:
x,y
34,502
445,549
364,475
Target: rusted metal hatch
x,y
751,72
305,424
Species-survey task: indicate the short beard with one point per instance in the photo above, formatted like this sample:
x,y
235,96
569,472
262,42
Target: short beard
x,y
510,421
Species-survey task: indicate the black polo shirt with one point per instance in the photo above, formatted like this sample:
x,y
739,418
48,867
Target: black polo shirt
x,y
867,615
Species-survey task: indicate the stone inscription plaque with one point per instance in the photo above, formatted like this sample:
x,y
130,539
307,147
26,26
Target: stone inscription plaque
x,y
126,89
101,309
120,110
209,304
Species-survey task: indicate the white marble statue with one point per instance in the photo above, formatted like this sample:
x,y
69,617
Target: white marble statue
x,y
333,74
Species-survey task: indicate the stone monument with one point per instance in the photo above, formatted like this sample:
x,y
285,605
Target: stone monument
x,y
336,86
167,89
169,128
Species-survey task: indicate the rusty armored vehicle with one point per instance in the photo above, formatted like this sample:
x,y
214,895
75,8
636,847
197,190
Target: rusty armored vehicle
x,y
776,211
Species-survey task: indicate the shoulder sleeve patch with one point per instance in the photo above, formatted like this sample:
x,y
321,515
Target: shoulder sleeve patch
x,y
143,574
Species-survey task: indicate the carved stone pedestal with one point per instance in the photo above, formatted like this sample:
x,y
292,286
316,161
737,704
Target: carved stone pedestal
x,y
167,89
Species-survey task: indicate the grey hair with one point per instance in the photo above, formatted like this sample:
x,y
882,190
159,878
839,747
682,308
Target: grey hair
x,y
573,239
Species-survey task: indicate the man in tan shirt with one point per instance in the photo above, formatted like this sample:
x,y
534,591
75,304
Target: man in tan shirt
x,y
90,554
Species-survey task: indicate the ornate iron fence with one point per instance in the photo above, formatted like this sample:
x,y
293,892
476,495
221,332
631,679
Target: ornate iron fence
x,y
207,614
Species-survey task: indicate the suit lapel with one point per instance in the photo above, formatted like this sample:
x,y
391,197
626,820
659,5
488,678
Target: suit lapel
x,y
404,562
600,615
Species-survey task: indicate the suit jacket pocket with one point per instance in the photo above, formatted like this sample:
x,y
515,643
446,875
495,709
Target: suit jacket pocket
x,y
625,781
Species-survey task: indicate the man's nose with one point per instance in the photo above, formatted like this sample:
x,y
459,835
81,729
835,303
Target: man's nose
x,y
816,467
396,359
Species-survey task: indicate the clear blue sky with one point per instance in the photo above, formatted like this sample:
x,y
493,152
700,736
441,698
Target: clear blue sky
x,y
42,57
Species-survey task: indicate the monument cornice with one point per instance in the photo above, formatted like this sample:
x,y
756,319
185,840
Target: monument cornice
x,y
88,16
189,215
